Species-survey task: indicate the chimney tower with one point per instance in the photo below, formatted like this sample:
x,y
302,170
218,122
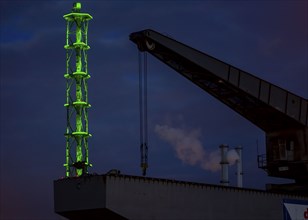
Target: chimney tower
x,y
224,165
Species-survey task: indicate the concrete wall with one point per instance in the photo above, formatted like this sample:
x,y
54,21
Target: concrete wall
x,y
72,194
149,198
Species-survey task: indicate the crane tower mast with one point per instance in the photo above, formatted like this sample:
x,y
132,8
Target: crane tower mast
x,y
76,75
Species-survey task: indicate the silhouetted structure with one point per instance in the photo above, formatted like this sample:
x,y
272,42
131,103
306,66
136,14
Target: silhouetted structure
x,y
282,115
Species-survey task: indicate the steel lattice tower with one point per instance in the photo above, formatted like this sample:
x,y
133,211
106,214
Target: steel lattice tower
x,y
77,132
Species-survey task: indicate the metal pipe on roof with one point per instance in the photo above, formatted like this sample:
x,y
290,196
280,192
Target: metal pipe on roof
x,y
224,165
239,165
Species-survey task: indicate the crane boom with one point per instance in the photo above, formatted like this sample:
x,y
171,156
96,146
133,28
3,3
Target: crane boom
x,y
282,115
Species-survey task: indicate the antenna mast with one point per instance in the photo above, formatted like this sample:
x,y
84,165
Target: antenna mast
x,y
77,134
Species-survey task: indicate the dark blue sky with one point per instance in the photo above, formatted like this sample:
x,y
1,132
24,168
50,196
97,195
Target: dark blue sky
x,y
266,38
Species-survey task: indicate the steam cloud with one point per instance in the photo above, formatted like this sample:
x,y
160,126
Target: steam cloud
x,y
189,148
232,156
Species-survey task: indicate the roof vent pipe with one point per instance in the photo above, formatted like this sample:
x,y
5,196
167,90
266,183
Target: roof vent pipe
x,y
224,165
239,164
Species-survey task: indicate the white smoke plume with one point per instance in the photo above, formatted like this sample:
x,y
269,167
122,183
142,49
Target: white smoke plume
x,y
232,156
188,147
212,161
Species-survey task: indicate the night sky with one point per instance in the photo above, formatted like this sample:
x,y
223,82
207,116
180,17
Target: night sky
x,y
266,38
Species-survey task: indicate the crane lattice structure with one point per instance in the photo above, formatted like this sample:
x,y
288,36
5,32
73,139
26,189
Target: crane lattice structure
x,y
281,114
77,132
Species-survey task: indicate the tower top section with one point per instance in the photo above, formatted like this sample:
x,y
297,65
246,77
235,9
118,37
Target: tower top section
x,y
77,14
76,7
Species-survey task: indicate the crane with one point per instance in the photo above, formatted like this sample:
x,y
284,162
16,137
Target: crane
x,y
282,115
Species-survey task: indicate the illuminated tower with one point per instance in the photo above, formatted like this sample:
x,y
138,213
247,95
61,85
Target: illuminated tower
x,y
77,133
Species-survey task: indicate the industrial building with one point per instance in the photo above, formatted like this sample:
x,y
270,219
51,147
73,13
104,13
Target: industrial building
x,y
115,196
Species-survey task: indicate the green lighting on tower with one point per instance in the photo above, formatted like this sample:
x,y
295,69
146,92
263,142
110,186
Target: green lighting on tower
x,y
77,130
